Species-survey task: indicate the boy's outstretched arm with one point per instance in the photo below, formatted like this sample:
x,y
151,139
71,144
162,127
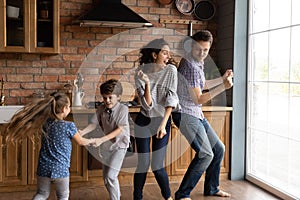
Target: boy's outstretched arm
x,y
111,135
87,129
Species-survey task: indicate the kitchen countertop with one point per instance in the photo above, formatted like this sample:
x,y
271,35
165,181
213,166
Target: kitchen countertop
x,y
84,110
8,111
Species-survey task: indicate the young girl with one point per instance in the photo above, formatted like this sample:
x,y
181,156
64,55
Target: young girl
x,y
45,119
156,82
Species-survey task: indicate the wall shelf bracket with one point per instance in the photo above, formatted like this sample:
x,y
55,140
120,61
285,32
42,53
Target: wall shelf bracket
x,y
179,21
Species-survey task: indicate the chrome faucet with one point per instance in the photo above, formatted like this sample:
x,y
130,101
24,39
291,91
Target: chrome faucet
x,y
2,97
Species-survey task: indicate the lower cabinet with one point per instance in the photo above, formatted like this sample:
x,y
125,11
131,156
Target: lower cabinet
x,y
18,162
13,162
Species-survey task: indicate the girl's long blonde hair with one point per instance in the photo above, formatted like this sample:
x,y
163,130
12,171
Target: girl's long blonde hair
x,y
29,121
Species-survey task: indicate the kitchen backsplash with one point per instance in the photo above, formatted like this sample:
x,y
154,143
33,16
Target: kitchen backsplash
x,y
24,74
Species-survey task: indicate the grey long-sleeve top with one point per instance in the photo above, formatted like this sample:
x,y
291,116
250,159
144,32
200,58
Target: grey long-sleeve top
x,y
163,88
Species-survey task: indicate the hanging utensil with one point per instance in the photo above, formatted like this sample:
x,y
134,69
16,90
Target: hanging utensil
x,y
191,28
205,10
185,7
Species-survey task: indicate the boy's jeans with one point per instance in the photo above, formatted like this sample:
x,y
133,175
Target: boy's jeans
x,y
111,164
209,155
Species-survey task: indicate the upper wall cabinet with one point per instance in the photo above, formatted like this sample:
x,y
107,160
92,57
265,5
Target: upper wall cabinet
x,y
30,26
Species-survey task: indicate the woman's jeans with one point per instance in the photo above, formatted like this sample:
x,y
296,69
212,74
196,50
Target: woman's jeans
x,y
145,130
44,187
208,158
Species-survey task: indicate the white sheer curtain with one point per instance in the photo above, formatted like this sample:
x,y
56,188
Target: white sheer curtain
x,y
273,125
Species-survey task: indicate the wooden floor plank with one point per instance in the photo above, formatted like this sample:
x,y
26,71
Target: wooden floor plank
x,y
240,190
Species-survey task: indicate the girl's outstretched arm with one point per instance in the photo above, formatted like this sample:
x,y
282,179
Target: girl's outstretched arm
x,y
83,141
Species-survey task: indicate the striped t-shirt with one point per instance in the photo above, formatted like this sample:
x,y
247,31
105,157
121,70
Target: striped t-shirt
x,y
163,86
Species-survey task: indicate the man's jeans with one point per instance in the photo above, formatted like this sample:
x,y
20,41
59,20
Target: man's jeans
x,y
145,130
209,155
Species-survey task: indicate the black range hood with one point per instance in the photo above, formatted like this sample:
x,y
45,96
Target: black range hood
x,y
112,13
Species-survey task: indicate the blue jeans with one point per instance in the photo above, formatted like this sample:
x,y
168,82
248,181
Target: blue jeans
x,y
208,158
44,187
145,129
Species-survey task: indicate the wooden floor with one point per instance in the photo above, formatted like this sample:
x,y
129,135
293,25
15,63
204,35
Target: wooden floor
x,y
240,190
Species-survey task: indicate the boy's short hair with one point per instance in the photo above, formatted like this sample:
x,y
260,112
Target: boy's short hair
x,y
111,86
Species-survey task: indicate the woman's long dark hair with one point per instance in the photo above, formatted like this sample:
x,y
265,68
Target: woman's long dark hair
x,y
154,46
29,121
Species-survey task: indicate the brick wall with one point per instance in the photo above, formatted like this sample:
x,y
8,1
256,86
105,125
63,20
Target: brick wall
x,y
98,53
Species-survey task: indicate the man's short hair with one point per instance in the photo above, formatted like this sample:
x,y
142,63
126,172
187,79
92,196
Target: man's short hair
x,y
203,35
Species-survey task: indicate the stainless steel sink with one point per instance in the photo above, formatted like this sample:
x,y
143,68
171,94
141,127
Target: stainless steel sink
x,y
6,112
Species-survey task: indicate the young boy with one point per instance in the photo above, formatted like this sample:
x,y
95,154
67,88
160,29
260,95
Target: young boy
x,y
112,116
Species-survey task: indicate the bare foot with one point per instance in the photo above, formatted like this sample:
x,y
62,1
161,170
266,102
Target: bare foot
x,y
222,194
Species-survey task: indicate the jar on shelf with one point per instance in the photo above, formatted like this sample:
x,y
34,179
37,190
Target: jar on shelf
x,y
44,9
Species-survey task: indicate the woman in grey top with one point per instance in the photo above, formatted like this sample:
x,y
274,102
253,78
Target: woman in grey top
x,y
156,83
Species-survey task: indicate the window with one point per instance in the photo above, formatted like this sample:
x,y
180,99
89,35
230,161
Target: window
x,y
273,102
